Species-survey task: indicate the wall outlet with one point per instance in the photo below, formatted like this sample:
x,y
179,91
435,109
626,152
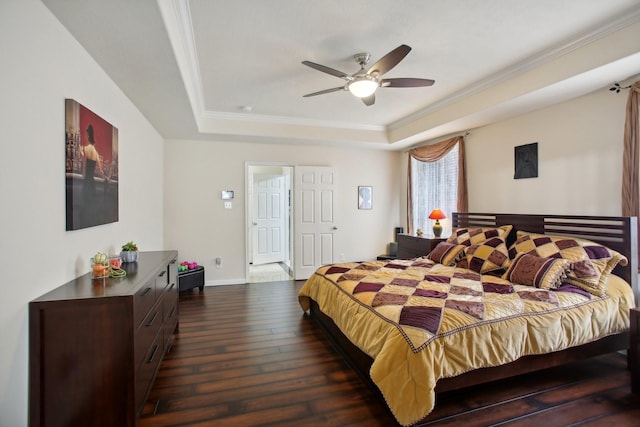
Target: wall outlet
x,y
218,262
228,205
341,257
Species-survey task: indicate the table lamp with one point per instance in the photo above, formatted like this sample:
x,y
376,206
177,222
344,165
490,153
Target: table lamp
x,y
437,214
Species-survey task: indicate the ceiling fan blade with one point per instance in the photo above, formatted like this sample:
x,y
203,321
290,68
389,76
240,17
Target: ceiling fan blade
x,y
389,61
369,100
406,82
325,69
322,92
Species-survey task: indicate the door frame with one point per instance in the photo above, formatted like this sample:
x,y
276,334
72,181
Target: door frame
x,y
248,212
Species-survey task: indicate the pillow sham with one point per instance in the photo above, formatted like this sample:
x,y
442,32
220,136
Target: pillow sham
x,y
591,263
531,270
447,253
488,256
477,235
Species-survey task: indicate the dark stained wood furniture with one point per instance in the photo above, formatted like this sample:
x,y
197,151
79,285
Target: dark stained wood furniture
x,y
634,350
413,246
95,345
618,233
190,279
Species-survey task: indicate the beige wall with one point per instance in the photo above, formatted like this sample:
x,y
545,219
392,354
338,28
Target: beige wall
x,y
43,65
197,224
579,159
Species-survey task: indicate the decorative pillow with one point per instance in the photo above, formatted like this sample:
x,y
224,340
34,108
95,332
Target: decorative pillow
x,y
447,253
531,270
490,255
591,263
463,263
474,236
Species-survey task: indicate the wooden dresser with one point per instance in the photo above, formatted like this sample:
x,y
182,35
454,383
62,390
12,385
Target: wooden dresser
x,y
413,246
95,345
634,350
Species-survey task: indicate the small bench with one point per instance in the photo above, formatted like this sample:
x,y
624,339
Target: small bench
x,y
190,279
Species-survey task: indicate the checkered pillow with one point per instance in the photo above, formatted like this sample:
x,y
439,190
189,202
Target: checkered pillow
x,y
591,263
490,255
474,236
447,253
531,270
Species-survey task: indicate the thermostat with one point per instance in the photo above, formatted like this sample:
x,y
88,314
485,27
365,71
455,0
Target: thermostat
x,y
227,194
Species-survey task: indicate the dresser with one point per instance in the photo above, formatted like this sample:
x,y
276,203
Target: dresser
x,y
95,345
634,350
413,246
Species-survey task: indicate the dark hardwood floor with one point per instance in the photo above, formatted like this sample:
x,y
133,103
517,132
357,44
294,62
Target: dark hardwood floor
x,y
246,355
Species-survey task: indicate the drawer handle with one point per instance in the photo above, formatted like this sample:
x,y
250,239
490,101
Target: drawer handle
x,y
162,273
146,292
173,310
150,322
153,354
173,285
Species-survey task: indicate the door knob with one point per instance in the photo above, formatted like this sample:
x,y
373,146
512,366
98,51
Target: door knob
x,y
255,223
335,228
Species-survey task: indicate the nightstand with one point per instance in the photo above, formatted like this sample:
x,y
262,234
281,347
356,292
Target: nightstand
x,y
634,350
414,246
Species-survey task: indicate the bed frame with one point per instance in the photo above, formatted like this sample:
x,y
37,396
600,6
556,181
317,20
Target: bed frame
x,y
617,233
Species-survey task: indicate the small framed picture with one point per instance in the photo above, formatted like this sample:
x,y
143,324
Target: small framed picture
x,y
365,194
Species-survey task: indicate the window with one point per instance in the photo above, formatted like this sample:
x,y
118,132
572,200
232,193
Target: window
x,y
434,185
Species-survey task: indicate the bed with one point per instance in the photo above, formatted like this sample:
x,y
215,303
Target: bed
x,y
505,295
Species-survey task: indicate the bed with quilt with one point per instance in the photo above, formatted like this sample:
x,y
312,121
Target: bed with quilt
x,y
503,295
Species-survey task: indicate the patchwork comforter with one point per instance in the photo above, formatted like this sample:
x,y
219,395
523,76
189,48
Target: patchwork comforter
x,y
420,321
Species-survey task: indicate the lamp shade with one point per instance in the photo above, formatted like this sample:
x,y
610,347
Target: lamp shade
x,y
363,87
437,214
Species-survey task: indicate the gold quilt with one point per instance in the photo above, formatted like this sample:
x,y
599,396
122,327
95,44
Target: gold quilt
x,y
420,321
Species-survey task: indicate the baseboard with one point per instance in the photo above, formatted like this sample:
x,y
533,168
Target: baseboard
x,y
242,281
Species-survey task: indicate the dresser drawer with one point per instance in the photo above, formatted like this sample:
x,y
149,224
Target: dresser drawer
x,y
162,280
146,333
143,300
147,370
170,310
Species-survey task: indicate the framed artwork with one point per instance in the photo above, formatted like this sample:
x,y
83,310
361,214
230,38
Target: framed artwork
x,y
526,161
365,194
91,168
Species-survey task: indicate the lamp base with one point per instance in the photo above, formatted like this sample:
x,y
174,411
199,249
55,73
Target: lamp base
x,y
437,229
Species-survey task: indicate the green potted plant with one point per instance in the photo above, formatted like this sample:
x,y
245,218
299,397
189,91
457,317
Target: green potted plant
x,y
129,252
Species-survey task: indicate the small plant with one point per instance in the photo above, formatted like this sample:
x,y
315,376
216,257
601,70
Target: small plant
x,y
129,246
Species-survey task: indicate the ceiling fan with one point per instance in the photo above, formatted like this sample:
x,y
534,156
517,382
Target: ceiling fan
x,y
364,83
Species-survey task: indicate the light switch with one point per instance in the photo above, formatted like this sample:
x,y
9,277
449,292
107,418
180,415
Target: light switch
x,y
227,205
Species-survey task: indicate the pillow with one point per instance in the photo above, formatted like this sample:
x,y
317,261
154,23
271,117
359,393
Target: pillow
x,y
490,255
531,270
463,263
474,236
591,263
447,253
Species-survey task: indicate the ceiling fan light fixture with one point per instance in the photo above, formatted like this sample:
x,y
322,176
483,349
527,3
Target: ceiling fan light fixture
x,y
363,87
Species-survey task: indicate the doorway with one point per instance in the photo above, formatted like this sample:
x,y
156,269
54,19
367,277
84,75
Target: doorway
x,y
268,222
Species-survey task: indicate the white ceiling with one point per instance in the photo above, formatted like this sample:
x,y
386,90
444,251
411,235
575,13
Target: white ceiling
x,y
193,67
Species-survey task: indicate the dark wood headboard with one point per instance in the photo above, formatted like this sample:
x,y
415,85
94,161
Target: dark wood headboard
x,y
619,233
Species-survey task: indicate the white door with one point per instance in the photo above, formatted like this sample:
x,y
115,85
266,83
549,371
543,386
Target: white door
x,y
269,219
315,223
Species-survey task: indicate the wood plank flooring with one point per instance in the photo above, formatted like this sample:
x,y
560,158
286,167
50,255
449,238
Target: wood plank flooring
x,y
246,355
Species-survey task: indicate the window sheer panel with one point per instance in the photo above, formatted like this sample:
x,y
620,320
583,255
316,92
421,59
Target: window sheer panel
x,y
434,185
